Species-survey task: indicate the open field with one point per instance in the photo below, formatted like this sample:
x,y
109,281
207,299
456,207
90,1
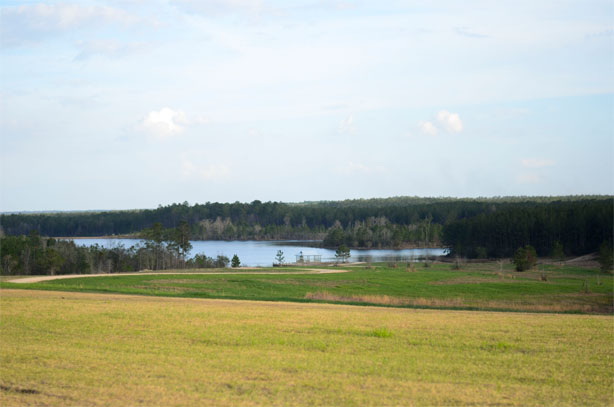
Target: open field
x,y
487,286
97,350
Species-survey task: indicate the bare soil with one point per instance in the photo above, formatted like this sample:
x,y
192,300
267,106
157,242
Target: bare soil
x,y
38,279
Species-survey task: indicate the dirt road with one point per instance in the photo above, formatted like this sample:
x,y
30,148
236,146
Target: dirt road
x,y
38,279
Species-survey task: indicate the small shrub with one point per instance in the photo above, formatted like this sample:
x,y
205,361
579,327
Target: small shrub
x,y
427,264
543,277
525,258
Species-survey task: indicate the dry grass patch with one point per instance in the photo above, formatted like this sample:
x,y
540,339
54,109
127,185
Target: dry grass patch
x,y
526,305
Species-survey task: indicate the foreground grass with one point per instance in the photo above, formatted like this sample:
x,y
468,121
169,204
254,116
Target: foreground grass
x,y
98,350
476,286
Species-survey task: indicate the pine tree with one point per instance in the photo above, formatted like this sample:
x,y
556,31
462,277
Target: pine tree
x,y
280,257
235,262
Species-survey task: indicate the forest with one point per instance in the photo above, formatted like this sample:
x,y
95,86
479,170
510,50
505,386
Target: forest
x,y
162,249
478,227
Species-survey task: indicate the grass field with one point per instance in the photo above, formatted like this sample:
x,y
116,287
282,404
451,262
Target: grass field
x,y
106,350
476,286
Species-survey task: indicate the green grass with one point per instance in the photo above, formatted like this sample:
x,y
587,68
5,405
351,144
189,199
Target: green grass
x,y
59,348
476,286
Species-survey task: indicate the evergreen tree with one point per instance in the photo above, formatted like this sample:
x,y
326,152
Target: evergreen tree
x,y
182,239
235,261
279,257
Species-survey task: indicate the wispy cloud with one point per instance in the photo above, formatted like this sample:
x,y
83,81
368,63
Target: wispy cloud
x,y
107,48
537,162
210,172
217,7
347,125
465,32
33,23
528,178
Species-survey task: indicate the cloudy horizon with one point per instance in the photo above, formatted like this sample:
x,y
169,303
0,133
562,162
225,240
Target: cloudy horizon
x,y
119,105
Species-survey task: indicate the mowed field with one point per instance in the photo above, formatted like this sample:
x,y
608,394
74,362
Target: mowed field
x,y
479,286
63,348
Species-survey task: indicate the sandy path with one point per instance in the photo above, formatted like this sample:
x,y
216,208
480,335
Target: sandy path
x,y
38,279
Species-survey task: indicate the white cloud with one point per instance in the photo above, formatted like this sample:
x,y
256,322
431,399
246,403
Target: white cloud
x,y
450,121
347,125
164,123
428,128
31,23
537,162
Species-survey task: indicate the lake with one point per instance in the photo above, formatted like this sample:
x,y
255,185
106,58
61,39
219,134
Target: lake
x,y
262,253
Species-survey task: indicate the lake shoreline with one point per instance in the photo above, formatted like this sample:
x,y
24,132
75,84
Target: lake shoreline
x,y
289,242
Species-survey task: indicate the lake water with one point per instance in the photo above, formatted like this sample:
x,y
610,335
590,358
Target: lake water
x,y
259,253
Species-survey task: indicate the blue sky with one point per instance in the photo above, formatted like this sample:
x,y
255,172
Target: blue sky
x,y
131,104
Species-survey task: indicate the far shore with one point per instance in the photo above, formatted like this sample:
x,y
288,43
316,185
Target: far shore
x,y
312,243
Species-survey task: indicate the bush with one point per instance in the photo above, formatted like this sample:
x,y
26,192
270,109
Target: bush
x,y
221,261
525,258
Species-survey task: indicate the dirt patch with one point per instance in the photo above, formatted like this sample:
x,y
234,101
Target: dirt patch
x,y
587,261
38,279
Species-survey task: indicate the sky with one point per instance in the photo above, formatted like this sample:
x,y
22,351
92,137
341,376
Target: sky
x,y
135,104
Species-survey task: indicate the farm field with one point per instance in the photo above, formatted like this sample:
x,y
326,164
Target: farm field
x,y
477,286
85,349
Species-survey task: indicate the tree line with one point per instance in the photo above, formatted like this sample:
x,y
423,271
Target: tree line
x,y
576,228
491,227
162,249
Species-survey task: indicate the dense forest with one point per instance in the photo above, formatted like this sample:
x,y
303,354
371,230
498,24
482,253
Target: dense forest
x,y
481,227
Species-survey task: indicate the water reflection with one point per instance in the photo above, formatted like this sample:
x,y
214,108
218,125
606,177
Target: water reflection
x,y
258,253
